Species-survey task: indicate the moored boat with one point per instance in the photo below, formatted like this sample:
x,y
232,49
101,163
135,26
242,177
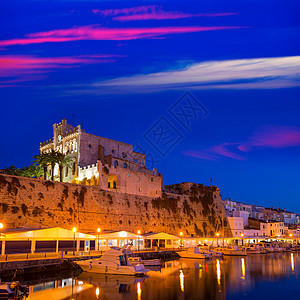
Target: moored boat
x,y
114,261
193,253
234,250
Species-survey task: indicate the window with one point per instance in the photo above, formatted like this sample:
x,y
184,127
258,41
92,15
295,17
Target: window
x,y
90,145
116,164
114,184
142,162
113,151
140,189
67,171
139,161
133,160
128,174
152,179
125,165
123,153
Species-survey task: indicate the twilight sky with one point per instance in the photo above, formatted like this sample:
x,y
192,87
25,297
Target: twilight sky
x,y
208,89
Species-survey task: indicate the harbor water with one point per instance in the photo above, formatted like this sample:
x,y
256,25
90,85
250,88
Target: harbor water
x,y
263,276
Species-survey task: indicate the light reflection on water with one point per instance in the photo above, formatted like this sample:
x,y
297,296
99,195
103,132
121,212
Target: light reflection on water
x,y
266,276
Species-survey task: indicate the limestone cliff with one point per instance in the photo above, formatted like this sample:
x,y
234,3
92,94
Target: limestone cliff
x,y
192,208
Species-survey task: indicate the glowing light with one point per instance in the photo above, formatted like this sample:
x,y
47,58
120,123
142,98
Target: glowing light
x,y
290,235
218,272
242,234
139,291
138,232
181,276
1,225
74,229
98,229
97,292
181,233
292,262
243,267
217,234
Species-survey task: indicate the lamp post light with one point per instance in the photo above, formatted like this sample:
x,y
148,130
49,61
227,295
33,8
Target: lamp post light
x,y
138,240
1,225
181,241
242,235
217,235
98,231
74,231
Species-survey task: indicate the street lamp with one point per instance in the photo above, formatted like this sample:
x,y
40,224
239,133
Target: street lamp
x,y
138,242
242,235
217,235
98,231
74,231
1,225
181,243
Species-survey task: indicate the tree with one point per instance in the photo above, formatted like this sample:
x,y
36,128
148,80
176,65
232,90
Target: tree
x,y
63,160
33,171
43,160
12,170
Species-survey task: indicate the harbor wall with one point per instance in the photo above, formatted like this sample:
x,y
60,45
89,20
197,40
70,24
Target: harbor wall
x,y
194,209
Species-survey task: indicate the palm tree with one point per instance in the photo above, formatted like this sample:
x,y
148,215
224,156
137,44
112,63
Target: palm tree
x,y
63,160
12,170
42,160
33,171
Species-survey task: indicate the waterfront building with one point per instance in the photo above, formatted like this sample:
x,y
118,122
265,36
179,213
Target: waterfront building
x,y
267,228
103,162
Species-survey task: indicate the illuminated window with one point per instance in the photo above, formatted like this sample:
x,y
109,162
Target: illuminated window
x,y
116,164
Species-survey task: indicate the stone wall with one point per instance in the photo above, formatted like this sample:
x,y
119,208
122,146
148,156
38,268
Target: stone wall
x,y
26,202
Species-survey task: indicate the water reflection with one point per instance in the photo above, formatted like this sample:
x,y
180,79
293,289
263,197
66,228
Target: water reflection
x,y
254,276
218,272
243,267
139,291
181,276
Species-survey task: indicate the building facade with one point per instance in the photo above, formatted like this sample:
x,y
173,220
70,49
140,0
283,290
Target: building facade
x,y
103,162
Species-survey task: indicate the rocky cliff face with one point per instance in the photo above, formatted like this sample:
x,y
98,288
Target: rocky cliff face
x,y
191,208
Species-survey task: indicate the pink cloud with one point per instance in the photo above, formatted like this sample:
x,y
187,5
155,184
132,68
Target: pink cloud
x,y
151,12
223,150
27,67
94,32
272,137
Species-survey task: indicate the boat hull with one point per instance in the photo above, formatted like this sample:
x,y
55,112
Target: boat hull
x,y
193,255
121,270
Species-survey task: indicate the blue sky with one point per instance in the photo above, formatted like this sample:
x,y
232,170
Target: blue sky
x,y
117,67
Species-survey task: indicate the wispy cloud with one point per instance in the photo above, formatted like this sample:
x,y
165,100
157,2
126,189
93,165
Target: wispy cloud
x,y
272,137
21,66
95,32
257,73
152,12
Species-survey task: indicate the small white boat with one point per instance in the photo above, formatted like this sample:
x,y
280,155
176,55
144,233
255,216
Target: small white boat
x,y
210,252
267,247
114,261
254,249
146,262
234,250
193,253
